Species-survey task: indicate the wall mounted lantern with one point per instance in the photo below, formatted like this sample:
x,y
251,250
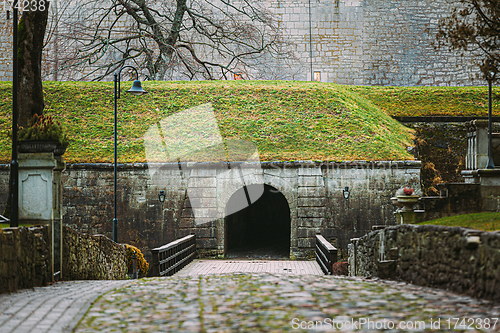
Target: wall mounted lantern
x,y
161,196
346,193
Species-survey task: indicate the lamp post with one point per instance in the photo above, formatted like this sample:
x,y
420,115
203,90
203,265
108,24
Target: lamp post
x,y
135,90
14,165
491,164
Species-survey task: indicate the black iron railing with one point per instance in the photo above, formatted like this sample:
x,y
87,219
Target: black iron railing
x,y
172,257
326,254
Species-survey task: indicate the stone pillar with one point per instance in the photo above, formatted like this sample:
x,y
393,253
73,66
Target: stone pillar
x,y
477,145
40,196
57,195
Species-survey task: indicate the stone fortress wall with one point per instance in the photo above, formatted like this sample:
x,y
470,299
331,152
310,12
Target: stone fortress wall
x,y
362,42
313,194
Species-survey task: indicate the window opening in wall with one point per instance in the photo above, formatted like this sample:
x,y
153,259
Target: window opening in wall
x,y
317,76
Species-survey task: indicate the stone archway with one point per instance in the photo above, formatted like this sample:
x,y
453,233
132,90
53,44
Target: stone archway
x,y
261,229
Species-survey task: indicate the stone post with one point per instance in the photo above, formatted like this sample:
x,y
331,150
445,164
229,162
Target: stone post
x,y
477,140
40,196
58,214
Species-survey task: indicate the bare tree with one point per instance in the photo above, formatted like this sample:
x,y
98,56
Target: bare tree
x,y
474,25
181,39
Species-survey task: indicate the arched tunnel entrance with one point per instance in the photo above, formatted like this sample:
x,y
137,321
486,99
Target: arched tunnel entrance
x,y
262,229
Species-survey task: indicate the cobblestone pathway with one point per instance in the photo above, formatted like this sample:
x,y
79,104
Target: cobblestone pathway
x,y
284,303
55,308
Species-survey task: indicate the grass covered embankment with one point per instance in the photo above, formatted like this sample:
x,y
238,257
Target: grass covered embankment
x,y
285,120
479,221
431,101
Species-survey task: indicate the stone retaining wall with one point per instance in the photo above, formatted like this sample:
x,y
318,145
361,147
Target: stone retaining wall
x,y
25,259
92,257
457,259
313,190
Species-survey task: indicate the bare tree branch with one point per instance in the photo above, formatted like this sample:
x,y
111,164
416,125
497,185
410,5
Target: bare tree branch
x,y
172,39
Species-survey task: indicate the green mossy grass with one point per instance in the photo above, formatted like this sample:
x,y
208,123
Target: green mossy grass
x,y
478,221
286,120
431,101
6,225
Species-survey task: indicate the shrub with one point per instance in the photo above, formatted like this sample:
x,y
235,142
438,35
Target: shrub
x,y
341,268
43,128
142,264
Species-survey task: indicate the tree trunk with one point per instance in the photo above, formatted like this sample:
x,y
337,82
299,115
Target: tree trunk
x,y
30,44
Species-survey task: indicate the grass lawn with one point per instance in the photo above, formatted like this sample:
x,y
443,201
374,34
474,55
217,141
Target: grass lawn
x,y
6,225
431,101
286,120
479,221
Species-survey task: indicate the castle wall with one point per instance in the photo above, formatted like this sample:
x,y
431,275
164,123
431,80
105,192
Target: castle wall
x,y
362,42
196,200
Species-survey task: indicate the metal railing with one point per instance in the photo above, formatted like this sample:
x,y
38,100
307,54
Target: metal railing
x,y
326,255
172,257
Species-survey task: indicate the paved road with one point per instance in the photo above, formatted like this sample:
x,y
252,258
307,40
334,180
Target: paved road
x,y
55,308
284,303
258,302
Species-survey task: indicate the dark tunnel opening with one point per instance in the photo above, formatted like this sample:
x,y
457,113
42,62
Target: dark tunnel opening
x,y
261,229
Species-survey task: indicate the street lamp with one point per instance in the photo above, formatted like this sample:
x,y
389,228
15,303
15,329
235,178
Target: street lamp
x,y
135,90
14,165
491,73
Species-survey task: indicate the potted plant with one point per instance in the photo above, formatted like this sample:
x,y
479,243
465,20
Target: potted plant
x,y
43,134
407,198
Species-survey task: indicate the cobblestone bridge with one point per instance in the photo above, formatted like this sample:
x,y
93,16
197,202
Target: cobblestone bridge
x,y
244,296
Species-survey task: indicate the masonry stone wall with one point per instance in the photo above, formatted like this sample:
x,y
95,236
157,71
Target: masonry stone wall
x,y
313,191
363,42
25,258
457,259
92,257
4,186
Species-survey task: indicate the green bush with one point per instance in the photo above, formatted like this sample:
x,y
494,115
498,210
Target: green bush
x,y
142,264
43,128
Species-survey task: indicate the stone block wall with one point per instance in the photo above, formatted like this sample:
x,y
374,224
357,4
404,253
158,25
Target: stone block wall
x,y
363,42
92,257
25,258
458,259
313,192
